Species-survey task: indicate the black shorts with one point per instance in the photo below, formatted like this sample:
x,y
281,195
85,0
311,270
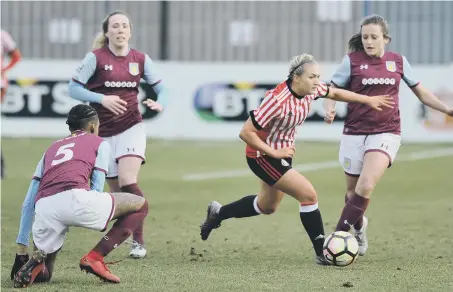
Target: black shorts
x,y
269,169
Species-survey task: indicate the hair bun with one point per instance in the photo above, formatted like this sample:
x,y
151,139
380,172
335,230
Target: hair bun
x,y
71,120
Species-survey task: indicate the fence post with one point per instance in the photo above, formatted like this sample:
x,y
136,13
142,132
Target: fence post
x,y
164,19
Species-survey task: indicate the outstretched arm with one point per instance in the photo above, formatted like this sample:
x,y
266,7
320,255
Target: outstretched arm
x,y
375,102
340,79
10,46
14,57
26,217
28,210
429,99
423,94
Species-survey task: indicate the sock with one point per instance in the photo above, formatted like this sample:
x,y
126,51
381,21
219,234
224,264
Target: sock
x,y
245,207
119,232
359,223
137,235
312,220
352,212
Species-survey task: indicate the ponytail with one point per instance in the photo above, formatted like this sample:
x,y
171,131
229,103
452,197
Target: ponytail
x,y
355,43
100,41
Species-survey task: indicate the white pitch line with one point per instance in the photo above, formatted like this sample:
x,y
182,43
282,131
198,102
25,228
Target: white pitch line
x,y
307,167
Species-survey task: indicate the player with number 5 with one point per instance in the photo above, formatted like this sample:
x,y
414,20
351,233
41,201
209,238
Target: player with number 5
x,y
67,190
109,78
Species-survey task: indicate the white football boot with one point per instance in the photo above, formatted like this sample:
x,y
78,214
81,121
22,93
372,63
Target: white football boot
x,y
138,251
360,235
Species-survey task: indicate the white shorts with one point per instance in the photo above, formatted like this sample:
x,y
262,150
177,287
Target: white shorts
x,y
354,147
131,142
77,207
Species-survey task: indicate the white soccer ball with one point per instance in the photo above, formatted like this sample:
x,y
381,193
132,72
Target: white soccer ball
x,y
341,248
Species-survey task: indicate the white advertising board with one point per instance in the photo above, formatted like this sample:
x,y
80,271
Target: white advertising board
x,y
209,101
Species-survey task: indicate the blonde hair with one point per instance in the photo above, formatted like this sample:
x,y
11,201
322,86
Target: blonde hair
x,y
296,66
101,40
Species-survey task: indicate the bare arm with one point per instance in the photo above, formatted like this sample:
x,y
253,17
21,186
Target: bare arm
x,y
375,102
329,104
337,94
249,134
329,108
14,57
429,99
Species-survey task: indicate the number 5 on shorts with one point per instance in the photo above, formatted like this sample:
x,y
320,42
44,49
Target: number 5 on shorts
x,y
66,152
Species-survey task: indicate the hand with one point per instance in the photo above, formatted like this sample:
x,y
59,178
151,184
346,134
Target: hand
x,y
114,104
152,105
287,152
18,263
330,116
376,102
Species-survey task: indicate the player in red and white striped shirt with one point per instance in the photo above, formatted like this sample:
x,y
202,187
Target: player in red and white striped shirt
x,y
8,48
269,133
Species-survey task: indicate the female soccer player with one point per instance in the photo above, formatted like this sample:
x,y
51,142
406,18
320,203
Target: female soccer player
x,y
8,47
109,78
67,190
371,139
270,136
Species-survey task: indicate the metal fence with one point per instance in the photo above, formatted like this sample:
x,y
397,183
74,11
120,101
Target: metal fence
x,y
248,31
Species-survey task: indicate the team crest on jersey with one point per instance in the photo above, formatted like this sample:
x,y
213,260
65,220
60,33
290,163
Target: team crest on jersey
x,y
133,69
391,66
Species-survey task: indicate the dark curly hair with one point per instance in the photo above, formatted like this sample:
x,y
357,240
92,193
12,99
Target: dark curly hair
x,y
80,116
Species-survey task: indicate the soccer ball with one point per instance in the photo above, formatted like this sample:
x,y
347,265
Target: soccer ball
x,y
340,248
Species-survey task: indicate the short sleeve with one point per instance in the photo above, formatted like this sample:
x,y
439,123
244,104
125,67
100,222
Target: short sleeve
x,y
86,69
8,43
266,112
343,74
39,169
151,74
322,90
103,157
408,74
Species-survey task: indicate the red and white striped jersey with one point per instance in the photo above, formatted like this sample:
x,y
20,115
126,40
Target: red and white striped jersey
x,y
7,45
280,114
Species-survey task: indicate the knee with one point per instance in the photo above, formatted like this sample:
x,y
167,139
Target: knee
x,y
309,199
143,206
265,208
268,210
365,187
